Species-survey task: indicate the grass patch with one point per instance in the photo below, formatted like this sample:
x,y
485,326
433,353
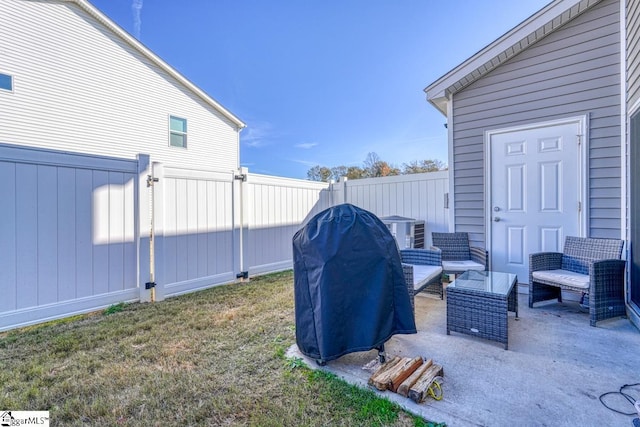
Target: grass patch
x,y
214,357
115,308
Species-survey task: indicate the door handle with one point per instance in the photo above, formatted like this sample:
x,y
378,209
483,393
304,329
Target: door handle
x,y
496,219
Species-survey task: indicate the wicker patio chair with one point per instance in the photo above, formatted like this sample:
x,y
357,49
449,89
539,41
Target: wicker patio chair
x,y
587,265
457,255
422,271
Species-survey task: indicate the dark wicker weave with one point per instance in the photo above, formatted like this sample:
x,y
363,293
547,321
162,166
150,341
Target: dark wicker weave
x,y
600,259
481,313
412,257
455,247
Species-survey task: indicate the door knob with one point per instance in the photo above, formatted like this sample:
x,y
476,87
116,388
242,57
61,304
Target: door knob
x,y
496,219
496,209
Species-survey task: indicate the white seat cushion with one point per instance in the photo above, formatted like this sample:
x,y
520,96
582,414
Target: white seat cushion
x,y
461,266
424,273
563,277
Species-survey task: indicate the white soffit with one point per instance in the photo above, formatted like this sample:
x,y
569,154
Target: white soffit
x,y
541,24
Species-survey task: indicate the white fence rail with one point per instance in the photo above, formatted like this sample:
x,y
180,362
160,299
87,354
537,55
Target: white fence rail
x,y
82,232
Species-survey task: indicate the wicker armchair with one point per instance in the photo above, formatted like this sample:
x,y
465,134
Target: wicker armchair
x,y
422,271
457,255
587,265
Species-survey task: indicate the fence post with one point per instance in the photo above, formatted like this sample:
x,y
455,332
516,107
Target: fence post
x,y
344,189
240,227
143,227
158,242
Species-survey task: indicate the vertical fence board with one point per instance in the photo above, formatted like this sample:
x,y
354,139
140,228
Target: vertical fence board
x,y
130,269
47,227
170,261
100,232
66,250
27,235
84,233
182,241
8,243
202,228
116,231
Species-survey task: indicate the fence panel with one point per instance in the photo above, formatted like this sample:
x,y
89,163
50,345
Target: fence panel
x,y
275,209
67,235
195,236
417,196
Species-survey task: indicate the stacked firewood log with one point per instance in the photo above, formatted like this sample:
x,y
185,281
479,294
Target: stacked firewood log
x,y
408,377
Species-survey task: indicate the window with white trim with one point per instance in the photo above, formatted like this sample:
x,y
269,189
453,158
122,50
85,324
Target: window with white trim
x,y
6,82
177,132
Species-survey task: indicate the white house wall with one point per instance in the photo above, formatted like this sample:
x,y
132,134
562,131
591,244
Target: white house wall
x,y
633,52
574,71
79,87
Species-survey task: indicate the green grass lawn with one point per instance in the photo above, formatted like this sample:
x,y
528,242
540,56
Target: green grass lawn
x,y
214,357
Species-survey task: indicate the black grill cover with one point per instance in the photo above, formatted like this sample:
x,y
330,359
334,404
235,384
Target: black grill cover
x,y
350,292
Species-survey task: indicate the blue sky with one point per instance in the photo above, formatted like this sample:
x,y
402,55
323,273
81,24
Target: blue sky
x,y
322,82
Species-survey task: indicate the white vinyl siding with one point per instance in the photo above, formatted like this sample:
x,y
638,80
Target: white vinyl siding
x,y
574,71
633,52
106,81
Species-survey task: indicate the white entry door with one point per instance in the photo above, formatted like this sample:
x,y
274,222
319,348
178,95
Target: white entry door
x,y
535,193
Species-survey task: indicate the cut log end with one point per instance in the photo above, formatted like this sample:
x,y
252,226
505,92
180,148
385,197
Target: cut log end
x,y
419,391
408,377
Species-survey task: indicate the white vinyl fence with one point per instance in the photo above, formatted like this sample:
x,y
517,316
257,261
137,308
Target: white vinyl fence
x,y
195,231
275,209
68,235
418,196
82,232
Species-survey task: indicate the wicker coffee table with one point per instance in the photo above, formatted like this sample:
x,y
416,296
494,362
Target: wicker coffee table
x,y
478,303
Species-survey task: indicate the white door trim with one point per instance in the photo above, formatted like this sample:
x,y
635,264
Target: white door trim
x,y
633,311
582,122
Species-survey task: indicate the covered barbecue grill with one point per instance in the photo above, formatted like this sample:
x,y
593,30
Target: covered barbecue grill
x,y
350,292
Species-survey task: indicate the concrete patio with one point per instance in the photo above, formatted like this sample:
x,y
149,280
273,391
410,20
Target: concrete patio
x,y
553,373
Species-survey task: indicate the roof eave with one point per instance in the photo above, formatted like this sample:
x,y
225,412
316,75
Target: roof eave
x,y
439,101
539,25
103,19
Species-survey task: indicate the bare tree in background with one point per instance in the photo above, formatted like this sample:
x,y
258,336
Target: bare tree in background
x,y
422,166
375,167
319,173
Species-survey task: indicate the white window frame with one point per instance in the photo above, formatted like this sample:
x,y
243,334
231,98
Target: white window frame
x,y
12,82
176,132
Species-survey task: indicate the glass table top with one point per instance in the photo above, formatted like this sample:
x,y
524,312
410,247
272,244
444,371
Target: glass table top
x,y
485,281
